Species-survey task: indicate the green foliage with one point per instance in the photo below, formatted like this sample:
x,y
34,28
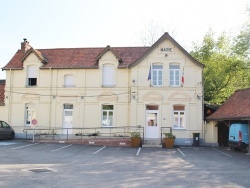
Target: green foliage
x,y
135,134
242,41
225,71
169,135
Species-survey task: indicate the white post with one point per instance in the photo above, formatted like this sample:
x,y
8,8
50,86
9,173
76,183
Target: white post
x,y
33,134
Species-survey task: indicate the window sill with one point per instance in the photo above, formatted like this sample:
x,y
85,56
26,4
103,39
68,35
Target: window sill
x,y
31,86
69,86
156,86
108,86
176,86
179,128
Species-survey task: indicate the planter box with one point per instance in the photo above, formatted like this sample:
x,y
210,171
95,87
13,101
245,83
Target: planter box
x,y
135,142
169,142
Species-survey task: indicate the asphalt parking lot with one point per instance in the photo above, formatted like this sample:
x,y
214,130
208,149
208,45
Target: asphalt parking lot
x,y
27,164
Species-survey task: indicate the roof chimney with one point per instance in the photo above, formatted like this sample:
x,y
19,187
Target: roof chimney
x,y
25,45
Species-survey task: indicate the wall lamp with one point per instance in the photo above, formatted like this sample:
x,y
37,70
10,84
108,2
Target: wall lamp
x,y
133,81
199,97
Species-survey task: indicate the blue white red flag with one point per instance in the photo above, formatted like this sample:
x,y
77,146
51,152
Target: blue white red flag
x,y
149,73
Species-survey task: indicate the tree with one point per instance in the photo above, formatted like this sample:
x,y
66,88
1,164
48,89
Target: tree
x,y
152,32
242,41
224,72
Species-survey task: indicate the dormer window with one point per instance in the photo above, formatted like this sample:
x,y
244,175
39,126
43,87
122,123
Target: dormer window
x,y
32,75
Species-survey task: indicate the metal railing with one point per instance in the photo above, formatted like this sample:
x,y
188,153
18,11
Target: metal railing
x,y
165,130
83,133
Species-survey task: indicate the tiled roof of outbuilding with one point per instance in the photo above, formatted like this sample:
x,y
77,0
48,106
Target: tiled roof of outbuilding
x,y
2,86
237,107
78,57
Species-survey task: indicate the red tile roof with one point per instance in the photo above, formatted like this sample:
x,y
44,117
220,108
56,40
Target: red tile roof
x,y
78,57
2,85
237,107
69,58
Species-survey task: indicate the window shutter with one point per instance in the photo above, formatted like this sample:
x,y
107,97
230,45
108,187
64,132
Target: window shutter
x,y
32,72
108,75
68,80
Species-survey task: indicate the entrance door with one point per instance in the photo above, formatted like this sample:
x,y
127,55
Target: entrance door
x,y
152,124
67,119
223,132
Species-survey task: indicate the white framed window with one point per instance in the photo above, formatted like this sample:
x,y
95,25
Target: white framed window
x,y
108,75
32,72
179,117
107,115
30,113
69,80
157,75
174,74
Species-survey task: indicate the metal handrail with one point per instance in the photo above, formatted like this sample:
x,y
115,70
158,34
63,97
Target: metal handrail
x,y
164,130
93,132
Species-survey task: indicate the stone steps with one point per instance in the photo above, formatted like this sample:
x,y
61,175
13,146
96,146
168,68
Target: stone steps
x,y
156,143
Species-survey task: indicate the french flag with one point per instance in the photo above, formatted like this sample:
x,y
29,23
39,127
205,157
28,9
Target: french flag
x,y
149,73
182,77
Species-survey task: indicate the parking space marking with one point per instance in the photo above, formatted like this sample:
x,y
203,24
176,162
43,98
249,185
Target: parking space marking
x,y
138,151
61,148
99,150
25,146
181,152
221,152
6,143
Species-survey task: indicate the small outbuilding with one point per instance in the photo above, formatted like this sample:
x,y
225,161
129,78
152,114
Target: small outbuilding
x,y
235,109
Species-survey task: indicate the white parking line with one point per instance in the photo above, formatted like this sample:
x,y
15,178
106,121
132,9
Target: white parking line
x,y
138,151
99,150
181,152
6,143
25,146
61,148
222,152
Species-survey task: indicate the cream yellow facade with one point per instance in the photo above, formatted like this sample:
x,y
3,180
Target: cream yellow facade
x,y
131,96
211,133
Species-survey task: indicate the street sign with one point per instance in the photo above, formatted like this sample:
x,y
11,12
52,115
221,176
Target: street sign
x,y
34,122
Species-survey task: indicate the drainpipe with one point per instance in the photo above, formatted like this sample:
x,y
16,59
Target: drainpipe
x,y
136,99
50,103
129,96
84,100
10,98
56,95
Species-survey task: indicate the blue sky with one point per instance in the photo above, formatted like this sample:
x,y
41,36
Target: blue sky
x,y
98,23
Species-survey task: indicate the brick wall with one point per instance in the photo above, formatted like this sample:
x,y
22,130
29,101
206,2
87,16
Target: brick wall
x,y
2,85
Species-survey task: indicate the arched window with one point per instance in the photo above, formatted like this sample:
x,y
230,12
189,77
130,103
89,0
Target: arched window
x,y
32,72
108,75
69,80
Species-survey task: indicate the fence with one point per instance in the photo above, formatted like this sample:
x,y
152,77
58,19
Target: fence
x,y
82,133
165,130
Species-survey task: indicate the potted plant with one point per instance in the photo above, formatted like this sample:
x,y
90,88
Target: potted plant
x,y
169,140
135,139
